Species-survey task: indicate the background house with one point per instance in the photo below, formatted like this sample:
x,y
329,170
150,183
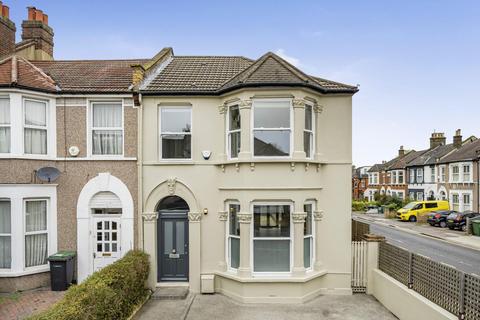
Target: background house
x,y
360,179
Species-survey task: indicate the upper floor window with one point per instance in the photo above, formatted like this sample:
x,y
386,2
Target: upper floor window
x,y
5,235
35,126
466,173
4,125
455,173
175,133
271,128
309,132
412,175
432,174
107,128
419,175
442,174
233,131
400,177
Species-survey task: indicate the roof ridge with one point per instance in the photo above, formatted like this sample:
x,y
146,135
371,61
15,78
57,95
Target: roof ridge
x,y
89,60
298,73
259,61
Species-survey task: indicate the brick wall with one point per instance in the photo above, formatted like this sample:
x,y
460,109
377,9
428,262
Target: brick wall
x,y
7,36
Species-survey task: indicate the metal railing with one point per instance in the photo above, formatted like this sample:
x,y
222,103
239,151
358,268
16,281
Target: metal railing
x,y
446,286
359,266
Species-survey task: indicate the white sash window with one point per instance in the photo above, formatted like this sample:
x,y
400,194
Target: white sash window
x,y
233,132
5,125
5,234
35,127
107,128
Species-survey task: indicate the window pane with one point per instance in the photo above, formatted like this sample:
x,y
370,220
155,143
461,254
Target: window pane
x,y
5,252
271,143
35,250
5,217
271,114
308,117
307,227
35,113
4,139
234,225
234,121
107,142
234,252
176,146
307,243
271,220
35,141
176,120
180,237
307,143
107,115
271,255
36,215
168,237
234,144
4,111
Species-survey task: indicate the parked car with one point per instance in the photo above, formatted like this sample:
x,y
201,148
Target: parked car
x,y
415,209
458,220
439,218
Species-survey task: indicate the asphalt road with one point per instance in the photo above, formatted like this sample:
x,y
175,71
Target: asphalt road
x,y
464,259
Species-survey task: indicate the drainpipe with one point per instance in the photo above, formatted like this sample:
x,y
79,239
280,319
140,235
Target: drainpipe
x,y
478,183
140,167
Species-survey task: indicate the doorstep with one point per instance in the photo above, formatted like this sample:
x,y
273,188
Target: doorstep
x,y
170,293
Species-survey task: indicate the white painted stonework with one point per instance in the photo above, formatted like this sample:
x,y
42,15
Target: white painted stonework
x,y
104,182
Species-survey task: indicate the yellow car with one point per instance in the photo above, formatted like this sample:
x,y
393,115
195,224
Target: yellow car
x,y
419,208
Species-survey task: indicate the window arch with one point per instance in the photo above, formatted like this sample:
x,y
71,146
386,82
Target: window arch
x,y
173,203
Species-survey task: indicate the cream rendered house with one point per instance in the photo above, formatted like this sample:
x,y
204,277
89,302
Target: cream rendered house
x,y
245,177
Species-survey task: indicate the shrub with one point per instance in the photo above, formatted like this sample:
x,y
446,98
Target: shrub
x,y
111,293
362,205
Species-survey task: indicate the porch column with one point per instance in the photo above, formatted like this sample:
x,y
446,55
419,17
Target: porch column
x,y
194,239
222,216
245,107
298,235
317,217
299,126
244,269
150,244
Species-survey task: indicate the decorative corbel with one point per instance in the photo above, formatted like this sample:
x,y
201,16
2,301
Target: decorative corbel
x,y
222,109
171,184
252,166
245,104
150,216
318,215
298,103
222,215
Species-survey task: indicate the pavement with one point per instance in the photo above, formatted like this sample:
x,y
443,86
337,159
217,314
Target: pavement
x,y
20,305
217,306
441,245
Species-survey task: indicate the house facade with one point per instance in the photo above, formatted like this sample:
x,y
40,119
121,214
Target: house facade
x,y
245,177
360,180
68,152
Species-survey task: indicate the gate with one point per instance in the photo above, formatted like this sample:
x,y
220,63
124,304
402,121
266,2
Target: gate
x,y
359,266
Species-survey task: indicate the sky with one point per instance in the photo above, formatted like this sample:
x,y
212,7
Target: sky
x,y
417,62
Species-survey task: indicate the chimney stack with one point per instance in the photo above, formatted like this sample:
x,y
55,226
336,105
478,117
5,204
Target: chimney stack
x,y
401,152
36,28
457,138
7,32
437,139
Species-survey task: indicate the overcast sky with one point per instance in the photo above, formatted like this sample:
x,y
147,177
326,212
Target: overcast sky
x,y
417,62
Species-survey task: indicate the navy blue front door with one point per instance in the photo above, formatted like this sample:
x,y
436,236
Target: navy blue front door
x,y
172,246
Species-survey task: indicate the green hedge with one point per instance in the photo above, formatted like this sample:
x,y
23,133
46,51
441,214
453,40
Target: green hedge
x,y
111,293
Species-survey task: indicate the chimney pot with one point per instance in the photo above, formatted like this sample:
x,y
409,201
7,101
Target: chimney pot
x,y
45,19
5,12
31,13
39,15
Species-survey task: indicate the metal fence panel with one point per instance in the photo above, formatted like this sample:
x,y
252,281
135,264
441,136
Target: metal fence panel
x,y
472,297
394,262
359,266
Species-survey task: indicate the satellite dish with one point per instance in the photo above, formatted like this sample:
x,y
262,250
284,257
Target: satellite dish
x,y
48,174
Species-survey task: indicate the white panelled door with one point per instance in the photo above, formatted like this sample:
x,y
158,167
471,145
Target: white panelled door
x,y
106,241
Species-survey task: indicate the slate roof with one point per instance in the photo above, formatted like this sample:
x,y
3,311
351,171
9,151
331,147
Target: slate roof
x,y
377,167
401,162
469,151
430,157
217,75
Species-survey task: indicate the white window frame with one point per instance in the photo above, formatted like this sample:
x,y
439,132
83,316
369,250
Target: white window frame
x,y
228,236
432,174
91,128
420,196
291,129
393,177
253,238
311,133
29,233
470,205
419,176
455,177
230,132
400,174
469,177
46,128
9,235
411,172
159,134
18,194
457,195
9,125
443,171
312,236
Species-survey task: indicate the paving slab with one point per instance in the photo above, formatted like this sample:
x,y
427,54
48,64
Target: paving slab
x,y
20,305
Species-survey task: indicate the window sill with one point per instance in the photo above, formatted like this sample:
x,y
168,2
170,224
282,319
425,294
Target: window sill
x,y
269,160
271,278
26,156
5,273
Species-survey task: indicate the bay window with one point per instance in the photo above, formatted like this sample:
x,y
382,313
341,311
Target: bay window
x,y
455,202
107,128
175,133
5,235
420,175
412,175
455,173
271,237
442,174
466,173
432,174
36,234
400,177
233,236
5,125
308,236
466,202
35,126
233,132
271,128
309,132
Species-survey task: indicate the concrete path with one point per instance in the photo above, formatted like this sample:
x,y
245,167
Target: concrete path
x,y
219,307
